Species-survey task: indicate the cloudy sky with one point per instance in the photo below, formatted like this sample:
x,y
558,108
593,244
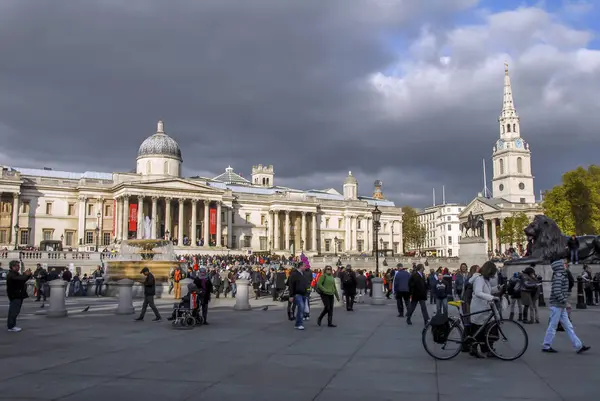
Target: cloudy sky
x,y
406,91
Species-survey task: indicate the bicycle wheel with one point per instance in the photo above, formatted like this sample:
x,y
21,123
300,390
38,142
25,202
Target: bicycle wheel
x,y
497,338
450,348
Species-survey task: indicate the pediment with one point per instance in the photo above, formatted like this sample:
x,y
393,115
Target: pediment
x,y
477,207
175,185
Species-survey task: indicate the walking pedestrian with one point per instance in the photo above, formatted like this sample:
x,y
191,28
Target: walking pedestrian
x,y
149,292
16,290
401,289
418,290
298,284
327,290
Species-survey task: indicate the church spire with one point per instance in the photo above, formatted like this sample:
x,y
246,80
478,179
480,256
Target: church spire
x,y
508,105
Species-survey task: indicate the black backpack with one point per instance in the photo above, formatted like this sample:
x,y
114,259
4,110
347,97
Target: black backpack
x,y
440,328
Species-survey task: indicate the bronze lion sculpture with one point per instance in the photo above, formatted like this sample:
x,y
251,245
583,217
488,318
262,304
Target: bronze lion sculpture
x,y
548,244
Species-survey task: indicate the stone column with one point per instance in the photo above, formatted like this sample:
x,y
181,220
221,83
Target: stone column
x,y
287,231
276,230
125,306
354,232
15,219
313,246
368,230
304,244
81,222
180,224
193,236
378,298
57,299
230,227
494,236
219,228
347,237
168,216
154,217
271,235
242,296
118,225
125,217
140,218
206,224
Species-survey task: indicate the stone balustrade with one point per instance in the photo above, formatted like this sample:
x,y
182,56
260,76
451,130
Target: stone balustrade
x,y
368,262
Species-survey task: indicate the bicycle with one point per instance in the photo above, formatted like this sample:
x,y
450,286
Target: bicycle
x,y
493,330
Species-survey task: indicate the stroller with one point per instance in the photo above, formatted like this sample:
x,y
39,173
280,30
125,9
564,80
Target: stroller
x,y
186,314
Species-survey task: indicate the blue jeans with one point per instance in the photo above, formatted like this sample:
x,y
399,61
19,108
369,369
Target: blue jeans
x,y
574,255
299,300
560,315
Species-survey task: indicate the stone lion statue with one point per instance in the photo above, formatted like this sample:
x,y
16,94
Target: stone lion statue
x,y
548,243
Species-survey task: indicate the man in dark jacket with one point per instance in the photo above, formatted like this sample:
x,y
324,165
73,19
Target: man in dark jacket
x,y
205,286
573,245
41,278
418,291
298,289
349,287
67,276
401,290
16,290
149,292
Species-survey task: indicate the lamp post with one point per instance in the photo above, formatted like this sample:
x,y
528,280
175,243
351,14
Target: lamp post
x,y
335,245
98,215
376,216
392,239
16,235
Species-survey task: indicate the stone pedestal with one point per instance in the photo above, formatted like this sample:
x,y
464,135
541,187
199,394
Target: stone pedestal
x,y
338,287
242,296
57,299
184,286
125,306
473,251
378,298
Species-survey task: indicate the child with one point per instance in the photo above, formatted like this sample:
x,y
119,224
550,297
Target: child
x,y
441,296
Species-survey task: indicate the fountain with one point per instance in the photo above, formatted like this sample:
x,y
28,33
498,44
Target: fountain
x,y
155,254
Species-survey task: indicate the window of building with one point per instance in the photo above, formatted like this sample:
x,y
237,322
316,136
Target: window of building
x,y
247,217
385,227
25,207
339,223
247,241
71,209
108,210
233,219
449,240
396,247
69,238
448,209
449,227
48,207
263,243
360,245
449,252
358,224
90,210
89,237
519,165
47,234
522,200
263,219
3,236
386,245
327,222
501,162
233,242
24,237
448,218
106,238
507,127
327,245
222,216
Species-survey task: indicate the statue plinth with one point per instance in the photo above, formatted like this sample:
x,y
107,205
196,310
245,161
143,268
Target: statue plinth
x,y
473,251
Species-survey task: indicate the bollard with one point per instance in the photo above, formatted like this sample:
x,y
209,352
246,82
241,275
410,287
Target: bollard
x,y
338,287
580,299
125,306
185,286
242,296
377,298
57,299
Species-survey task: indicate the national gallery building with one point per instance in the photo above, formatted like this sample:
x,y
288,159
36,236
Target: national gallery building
x,y
86,211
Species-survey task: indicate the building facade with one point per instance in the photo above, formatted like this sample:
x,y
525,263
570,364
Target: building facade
x,y
442,229
91,209
512,181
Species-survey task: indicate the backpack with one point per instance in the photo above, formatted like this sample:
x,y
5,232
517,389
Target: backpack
x,y
347,278
440,328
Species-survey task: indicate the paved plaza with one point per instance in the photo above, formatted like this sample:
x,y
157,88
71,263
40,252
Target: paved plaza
x,y
257,355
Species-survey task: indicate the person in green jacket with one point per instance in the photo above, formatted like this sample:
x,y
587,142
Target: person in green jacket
x,y
326,288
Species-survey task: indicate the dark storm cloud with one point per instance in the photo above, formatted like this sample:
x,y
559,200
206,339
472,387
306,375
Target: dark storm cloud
x,y
237,83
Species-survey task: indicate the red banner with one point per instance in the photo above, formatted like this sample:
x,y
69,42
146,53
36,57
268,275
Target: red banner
x,y
213,221
114,230
133,208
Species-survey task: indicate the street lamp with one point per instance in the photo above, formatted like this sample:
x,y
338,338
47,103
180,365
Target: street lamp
x,y
376,216
16,235
335,245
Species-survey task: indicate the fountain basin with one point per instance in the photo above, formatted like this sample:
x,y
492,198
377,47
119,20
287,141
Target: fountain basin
x,y
118,270
155,254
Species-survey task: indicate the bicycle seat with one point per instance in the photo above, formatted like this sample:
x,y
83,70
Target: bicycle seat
x,y
458,304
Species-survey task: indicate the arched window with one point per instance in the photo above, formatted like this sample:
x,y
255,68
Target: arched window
x,y
166,167
514,127
507,127
264,181
501,166
148,167
268,179
519,165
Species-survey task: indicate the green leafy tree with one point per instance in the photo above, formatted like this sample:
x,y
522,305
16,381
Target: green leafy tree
x,y
506,232
575,203
512,230
413,234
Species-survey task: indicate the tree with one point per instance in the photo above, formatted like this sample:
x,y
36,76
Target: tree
x,y
575,203
413,233
511,232
506,232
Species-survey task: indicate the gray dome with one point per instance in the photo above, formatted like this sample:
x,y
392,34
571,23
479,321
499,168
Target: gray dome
x,y
160,144
350,179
